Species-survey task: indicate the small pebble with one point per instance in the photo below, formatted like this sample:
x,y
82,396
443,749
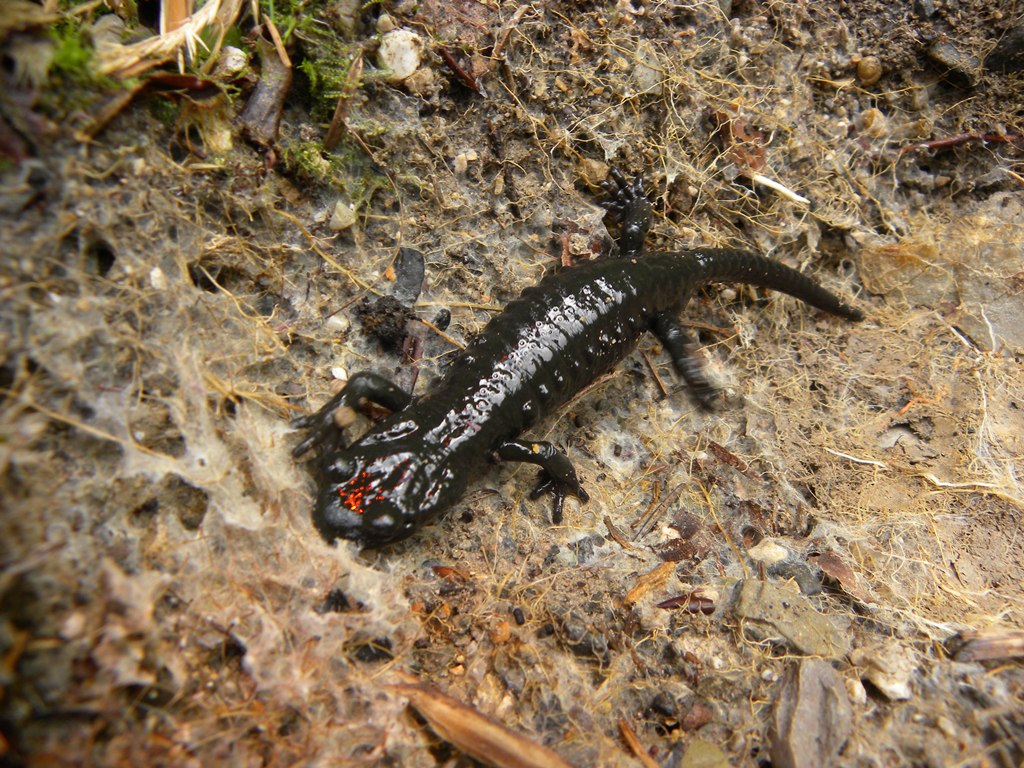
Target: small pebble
x,y
768,552
874,122
925,8
423,82
230,62
107,32
400,53
463,159
338,323
73,626
856,691
962,68
342,218
157,279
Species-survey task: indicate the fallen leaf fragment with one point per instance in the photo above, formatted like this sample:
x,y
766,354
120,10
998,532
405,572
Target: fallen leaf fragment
x,y
174,13
811,716
833,566
477,735
649,581
693,602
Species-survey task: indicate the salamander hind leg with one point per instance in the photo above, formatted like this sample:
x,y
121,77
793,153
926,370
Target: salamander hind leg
x,y
628,204
683,351
557,476
323,425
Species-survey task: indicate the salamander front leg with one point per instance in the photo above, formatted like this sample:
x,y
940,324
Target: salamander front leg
x,y
557,476
683,351
629,205
325,430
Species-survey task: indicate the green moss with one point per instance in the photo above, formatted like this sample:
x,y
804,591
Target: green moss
x,y
327,72
323,62
74,82
307,160
346,169
209,35
73,55
164,110
324,56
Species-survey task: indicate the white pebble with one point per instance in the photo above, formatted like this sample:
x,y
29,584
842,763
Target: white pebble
x,y
342,218
157,279
400,54
768,552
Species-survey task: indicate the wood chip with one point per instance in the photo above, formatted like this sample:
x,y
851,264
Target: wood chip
x,y
629,736
477,735
649,582
987,644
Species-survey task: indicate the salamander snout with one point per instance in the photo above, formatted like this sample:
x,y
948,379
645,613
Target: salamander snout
x,y
372,499
379,522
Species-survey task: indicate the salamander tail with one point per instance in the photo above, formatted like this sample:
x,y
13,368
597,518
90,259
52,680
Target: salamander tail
x,y
728,265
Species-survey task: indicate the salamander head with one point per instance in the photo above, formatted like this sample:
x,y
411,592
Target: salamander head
x,y
376,495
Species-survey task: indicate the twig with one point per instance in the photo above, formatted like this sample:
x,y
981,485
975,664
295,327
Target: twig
x,y
355,71
454,342
786,192
467,79
617,535
629,736
856,460
654,373
506,30
964,138
278,43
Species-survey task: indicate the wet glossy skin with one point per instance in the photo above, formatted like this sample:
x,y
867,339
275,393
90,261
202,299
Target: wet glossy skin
x,y
542,350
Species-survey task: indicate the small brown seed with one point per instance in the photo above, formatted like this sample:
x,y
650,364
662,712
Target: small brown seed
x,y
869,70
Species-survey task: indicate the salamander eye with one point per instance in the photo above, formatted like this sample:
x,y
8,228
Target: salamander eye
x,y
382,520
341,468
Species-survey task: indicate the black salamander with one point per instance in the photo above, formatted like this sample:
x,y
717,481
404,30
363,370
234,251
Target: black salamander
x,y
543,349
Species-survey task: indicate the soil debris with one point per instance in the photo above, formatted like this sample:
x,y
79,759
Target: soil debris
x,y
811,716
767,611
174,294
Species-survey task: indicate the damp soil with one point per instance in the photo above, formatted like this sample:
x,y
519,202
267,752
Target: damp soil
x,y
178,285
